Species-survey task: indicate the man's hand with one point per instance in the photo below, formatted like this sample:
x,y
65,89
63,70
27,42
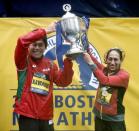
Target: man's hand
x,y
51,28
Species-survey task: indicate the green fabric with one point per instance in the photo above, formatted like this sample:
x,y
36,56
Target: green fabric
x,y
21,80
120,106
119,117
102,125
93,66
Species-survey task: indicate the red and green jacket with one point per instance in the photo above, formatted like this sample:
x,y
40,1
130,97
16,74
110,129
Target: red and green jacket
x,y
110,93
27,102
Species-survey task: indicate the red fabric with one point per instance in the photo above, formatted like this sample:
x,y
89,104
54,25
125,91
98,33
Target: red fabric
x,y
31,104
110,109
121,78
118,80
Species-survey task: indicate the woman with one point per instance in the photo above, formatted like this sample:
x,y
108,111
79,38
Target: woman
x,y
109,110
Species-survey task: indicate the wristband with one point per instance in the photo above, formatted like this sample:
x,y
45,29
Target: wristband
x,y
92,66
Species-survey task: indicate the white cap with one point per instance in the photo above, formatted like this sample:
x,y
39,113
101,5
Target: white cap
x,y
67,8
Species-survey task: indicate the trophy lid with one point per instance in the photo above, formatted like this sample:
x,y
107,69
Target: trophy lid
x,y
67,8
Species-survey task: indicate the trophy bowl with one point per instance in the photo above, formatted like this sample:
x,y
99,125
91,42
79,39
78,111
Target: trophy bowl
x,y
73,25
72,30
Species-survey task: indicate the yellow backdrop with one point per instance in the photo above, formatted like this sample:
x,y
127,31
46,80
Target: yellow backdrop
x,y
103,33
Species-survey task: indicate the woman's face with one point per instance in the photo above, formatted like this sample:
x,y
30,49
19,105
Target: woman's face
x,y
113,61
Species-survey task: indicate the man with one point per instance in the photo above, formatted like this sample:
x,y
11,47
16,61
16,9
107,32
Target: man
x,y
109,110
36,75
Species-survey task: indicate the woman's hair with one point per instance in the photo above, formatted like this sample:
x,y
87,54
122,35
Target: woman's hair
x,y
118,50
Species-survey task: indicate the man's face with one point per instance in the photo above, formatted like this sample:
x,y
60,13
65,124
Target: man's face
x,y
36,49
113,61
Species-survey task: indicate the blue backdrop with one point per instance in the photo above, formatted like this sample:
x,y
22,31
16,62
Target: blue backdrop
x,y
53,8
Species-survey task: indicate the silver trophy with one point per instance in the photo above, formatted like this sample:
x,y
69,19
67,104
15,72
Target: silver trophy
x,y
73,27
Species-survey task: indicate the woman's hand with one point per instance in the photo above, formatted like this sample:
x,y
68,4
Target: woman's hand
x,y
88,59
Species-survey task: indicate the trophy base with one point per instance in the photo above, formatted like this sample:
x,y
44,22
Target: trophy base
x,y
74,52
